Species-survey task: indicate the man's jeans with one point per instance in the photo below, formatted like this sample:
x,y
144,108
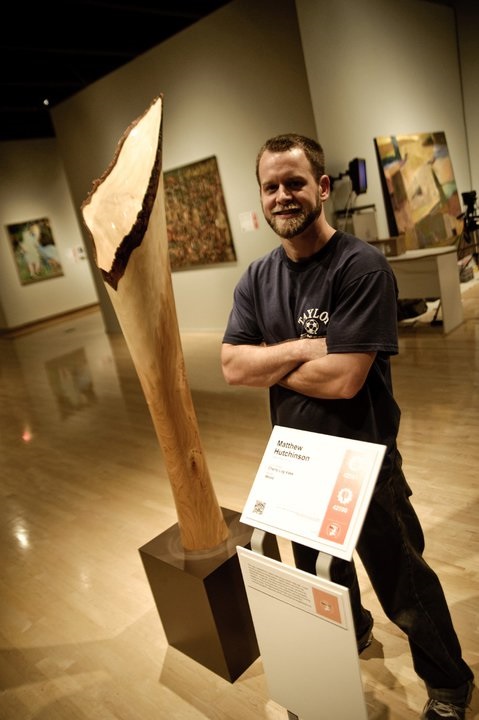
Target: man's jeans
x,y
390,546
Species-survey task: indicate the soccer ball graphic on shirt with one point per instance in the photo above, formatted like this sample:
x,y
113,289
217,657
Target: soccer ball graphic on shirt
x,y
311,326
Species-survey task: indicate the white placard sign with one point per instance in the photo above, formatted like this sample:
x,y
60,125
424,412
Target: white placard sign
x,y
305,631
314,489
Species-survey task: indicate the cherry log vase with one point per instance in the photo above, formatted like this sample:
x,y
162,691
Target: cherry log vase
x,y
192,567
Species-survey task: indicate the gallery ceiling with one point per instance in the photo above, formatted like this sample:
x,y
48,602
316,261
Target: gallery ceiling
x,y
50,50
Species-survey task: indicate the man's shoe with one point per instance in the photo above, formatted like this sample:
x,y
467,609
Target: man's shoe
x,y
366,638
438,710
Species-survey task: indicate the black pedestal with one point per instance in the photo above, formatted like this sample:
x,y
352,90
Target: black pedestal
x,y
201,599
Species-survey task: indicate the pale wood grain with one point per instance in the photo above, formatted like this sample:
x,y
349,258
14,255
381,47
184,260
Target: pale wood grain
x,y
125,217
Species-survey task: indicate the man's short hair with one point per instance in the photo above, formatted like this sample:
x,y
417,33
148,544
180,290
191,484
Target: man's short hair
x,y
282,143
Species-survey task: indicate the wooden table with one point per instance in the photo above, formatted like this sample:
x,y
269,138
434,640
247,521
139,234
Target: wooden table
x,y
431,273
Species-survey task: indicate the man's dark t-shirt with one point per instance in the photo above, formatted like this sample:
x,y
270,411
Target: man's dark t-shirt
x,y
347,294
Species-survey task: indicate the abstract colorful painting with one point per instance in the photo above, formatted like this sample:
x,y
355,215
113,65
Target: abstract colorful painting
x,y
197,221
419,188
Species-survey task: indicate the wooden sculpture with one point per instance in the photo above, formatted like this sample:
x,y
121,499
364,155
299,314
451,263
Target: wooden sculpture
x,y
125,216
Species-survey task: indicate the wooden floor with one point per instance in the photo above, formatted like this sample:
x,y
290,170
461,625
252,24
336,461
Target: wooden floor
x,y
83,487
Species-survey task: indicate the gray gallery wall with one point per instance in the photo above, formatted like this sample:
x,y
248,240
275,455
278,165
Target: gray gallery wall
x,y
33,185
228,83
380,67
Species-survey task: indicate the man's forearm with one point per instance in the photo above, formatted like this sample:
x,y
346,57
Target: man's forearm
x,y
258,365
266,365
334,377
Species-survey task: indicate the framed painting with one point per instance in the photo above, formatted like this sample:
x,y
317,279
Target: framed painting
x,y
197,221
419,188
36,255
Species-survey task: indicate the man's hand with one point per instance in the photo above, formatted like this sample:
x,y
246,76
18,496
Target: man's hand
x,y
313,348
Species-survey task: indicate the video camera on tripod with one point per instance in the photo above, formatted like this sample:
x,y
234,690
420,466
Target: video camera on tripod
x,y
469,237
470,216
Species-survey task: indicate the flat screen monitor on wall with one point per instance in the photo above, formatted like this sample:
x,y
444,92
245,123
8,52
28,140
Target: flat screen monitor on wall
x,y
358,176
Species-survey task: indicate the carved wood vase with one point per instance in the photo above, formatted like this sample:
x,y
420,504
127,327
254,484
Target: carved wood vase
x,y
125,217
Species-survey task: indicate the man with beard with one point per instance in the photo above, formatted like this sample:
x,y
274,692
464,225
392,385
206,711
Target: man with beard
x,y
315,321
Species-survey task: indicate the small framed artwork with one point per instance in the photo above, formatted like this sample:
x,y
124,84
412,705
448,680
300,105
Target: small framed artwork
x,y
36,255
196,217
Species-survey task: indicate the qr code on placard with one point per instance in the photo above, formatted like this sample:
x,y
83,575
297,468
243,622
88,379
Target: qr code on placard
x,y
259,507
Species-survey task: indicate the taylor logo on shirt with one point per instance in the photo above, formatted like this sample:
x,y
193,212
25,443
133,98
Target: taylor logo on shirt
x,y
312,320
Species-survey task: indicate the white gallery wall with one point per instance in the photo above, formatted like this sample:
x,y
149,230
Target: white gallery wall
x,y
228,83
380,67
468,33
344,71
33,185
